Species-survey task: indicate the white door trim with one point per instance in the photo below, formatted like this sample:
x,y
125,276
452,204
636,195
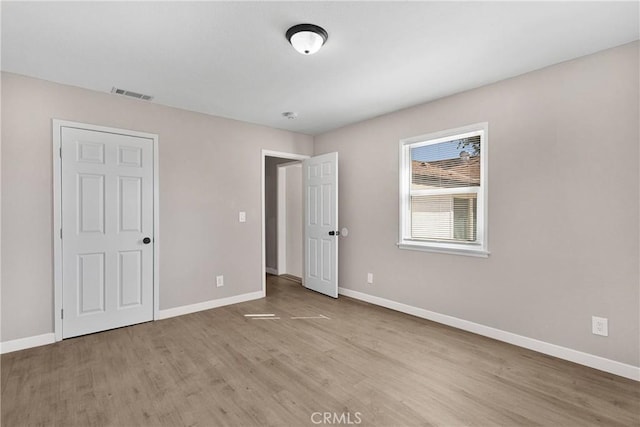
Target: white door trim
x,y
265,154
57,126
282,217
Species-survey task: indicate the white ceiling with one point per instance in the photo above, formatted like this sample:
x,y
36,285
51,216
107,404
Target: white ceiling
x,y
231,59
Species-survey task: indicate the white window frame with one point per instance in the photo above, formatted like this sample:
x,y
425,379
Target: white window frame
x,y
478,248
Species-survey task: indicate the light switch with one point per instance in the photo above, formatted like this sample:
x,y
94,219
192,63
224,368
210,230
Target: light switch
x,y
242,217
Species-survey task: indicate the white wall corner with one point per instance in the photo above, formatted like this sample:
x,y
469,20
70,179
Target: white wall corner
x,y
579,357
281,228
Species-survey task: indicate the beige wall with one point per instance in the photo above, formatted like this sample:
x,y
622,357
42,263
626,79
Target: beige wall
x,y
563,206
209,171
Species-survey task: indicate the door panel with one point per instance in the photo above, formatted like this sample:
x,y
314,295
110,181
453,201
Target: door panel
x,y
90,152
130,278
90,283
326,203
312,254
129,156
107,210
129,205
321,218
91,203
327,268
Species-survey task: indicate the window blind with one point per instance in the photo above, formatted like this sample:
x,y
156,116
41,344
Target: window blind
x,y
445,179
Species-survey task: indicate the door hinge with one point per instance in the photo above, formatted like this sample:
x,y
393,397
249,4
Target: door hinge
x,y
62,313
60,152
61,233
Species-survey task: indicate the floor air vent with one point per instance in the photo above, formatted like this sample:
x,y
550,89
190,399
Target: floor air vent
x,y
131,94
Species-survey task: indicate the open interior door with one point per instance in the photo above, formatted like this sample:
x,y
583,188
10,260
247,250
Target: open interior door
x,y
320,184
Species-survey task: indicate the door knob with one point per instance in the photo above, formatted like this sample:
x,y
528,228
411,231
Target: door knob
x,y
334,233
146,240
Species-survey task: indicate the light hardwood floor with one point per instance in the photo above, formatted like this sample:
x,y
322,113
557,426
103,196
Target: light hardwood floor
x,y
365,363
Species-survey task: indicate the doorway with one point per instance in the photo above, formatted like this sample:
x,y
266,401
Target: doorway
x,y
289,224
320,220
273,228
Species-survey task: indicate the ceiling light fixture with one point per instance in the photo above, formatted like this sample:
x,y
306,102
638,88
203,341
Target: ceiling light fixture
x,y
307,38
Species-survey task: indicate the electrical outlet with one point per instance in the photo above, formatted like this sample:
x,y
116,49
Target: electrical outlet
x,y
600,326
219,281
242,217
370,278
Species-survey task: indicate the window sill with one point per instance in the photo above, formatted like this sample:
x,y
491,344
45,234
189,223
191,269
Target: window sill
x,y
474,252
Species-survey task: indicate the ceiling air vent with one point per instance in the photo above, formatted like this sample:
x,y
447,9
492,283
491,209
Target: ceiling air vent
x,y
131,94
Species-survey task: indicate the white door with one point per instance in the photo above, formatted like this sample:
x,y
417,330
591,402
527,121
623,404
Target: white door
x,y
320,183
107,230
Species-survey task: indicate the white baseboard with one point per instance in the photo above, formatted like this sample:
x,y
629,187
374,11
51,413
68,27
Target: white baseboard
x,y
28,342
50,338
186,309
586,359
271,271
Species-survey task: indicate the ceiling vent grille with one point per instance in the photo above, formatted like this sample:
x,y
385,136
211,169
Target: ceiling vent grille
x,y
131,94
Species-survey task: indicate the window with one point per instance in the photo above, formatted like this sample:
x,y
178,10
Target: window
x,y
443,191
